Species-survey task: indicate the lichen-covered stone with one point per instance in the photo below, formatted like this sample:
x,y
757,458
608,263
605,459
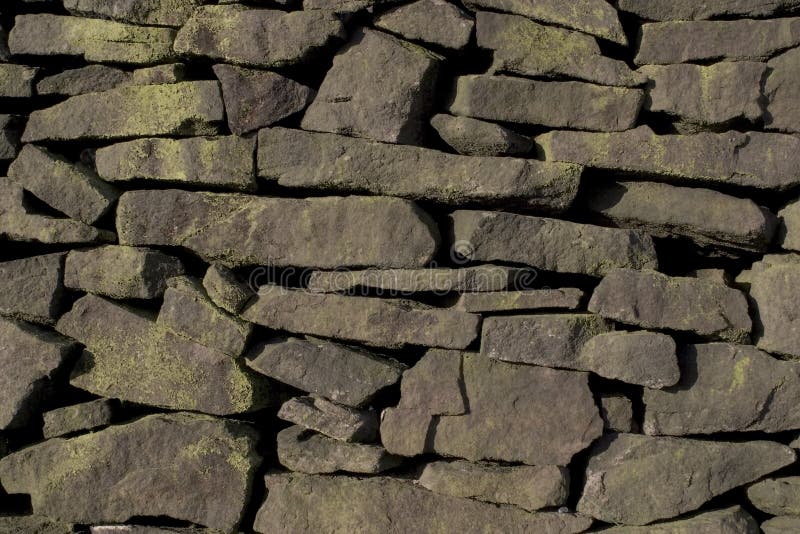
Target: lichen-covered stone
x,y
159,74
236,230
16,81
345,6
332,162
257,37
256,98
208,162
78,417
27,524
782,89
644,358
789,231
536,102
130,357
692,10
653,300
776,496
617,413
786,524
549,244
528,487
532,299
181,109
88,79
521,46
733,520
184,466
32,289
433,22
635,480
774,294
331,419
225,289
473,137
146,12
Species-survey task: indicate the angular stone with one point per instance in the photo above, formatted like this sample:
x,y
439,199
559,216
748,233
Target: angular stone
x,y
343,374
132,358
537,102
643,358
521,46
663,43
145,12
96,40
549,244
89,79
617,413
594,17
16,81
30,359
776,496
257,37
527,487
26,524
78,417
733,520
726,388
334,420
184,466
752,159
331,162
782,89
225,290
305,504
649,299
433,22
391,323
434,385
767,261
207,162
635,480
237,230
707,217
183,109
255,99
789,231
159,74
691,10
534,299
773,294
121,272
188,311
72,189
519,399
471,137
10,127
305,451
32,289
780,525
347,105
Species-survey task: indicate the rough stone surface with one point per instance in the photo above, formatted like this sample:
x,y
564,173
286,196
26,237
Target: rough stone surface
x,y
334,420
534,299
776,496
644,358
32,289
432,22
10,127
789,231
781,90
733,520
635,480
773,293
16,81
78,417
781,525
617,413
146,12
88,79
434,385
346,6
691,10
472,137
225,289
28,524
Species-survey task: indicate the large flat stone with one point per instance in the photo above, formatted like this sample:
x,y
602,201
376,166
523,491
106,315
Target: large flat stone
x,y
32,289
16,81
733,520
78,418
691,10
432,22
776,496
473,137
773,293
782,89
331,419
146,12
532,299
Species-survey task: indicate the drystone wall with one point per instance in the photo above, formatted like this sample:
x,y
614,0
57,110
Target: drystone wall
x,y
387,266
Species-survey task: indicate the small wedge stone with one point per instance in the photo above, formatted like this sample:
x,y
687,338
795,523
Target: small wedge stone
x,y
225,289
78,417
333,420
617,413
433,22
32,289
534,299
472,137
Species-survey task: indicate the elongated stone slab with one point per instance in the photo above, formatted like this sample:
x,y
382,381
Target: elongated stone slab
x,y
237,230
782,90
644,358
773,292
32,289
776,496
207,162
78,417
225,289
535,102
331,162
533,299
473,137
433,22
785,524
23,524
16,81
182,109
146,12
346,6
691,10
733,520
549,244
334,420
99,78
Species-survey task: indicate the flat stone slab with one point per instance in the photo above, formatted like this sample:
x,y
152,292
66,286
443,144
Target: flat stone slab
x,y
643,358
225,289
549,244
473,137
146,12
332,162
776,496
691,10
432,22
781,91
32,289
733,520
78,417
533,299
773,292
98,78
16,81
331,419
781,525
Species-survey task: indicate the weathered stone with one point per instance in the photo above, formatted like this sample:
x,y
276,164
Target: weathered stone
x,y
726,388
472,137
255,98
331,162
664,43
767,261
776,496
346,6
10,127
32,289
517,398
691,10
208,162
141,529
433,386
753,159
188,311
305,451
159,74
781,525
132,358
782,89
789,231
528,487
644,358
707,217
534,299
121,272
185,109
521,46
369,320
225,290
305,504
733,520
537,102
78,417
635,480
236,230
27,524
714,275
70,188
89,79
146,12
16,81
343,374
549,244
30,359
653,300
185,466
617,413
774,293
96,40
433,22
257,37
334,420
706,96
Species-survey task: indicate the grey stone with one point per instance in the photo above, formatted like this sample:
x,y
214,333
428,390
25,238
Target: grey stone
x,y
159,74
691,10
331,162
472,137
255,99
782,89
32,289
208,162
16,81
346,6
635,480
781,525
78,417
617,413
433,22
331,419
533,299
715,275
141,529
89,79
537,102
237,230
644,358
225,289
10,128
27,524
776,496
434,385
767,261
773,294
146,12
549,244
733,520
789,231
